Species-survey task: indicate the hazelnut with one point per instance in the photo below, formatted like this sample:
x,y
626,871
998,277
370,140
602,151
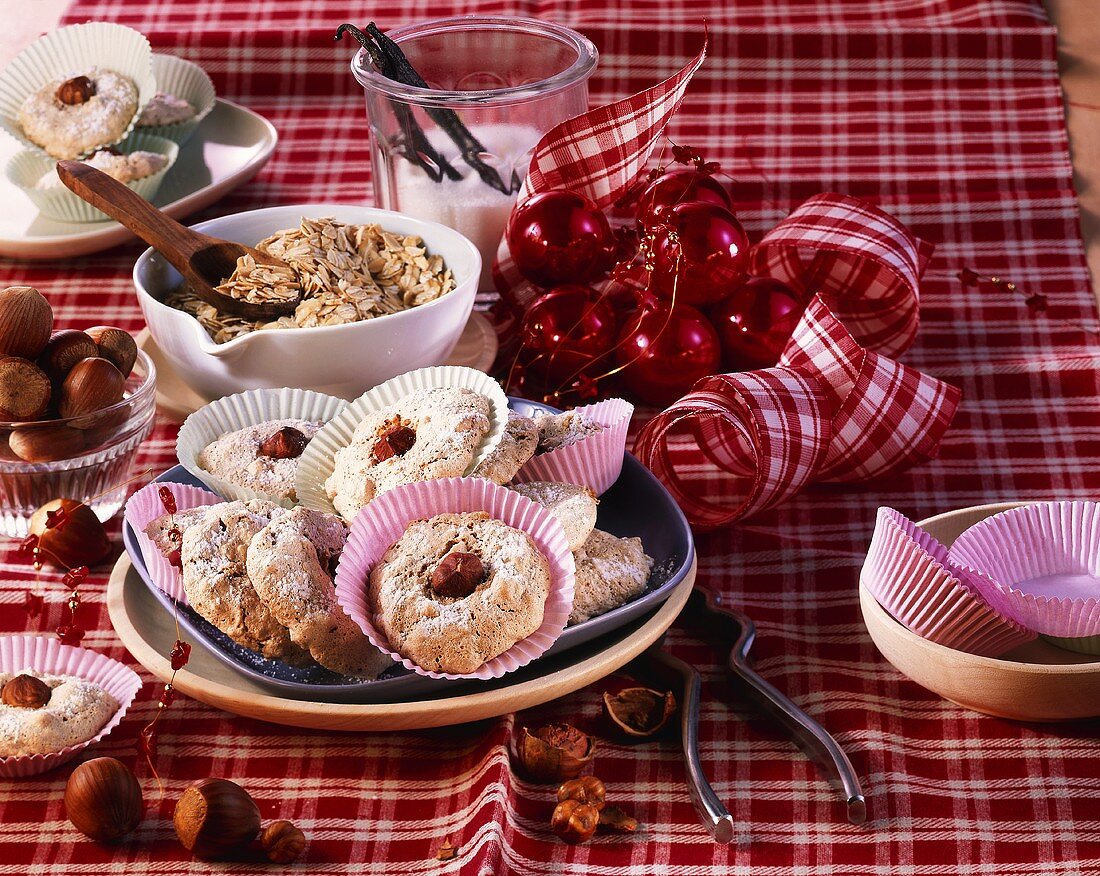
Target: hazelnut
x,y
46,443
63,350
287,443
92,385
397,440
586,789
115,345
26,320
103,799
574,821
554,752
26,692
282,842
24,390
639,712
215,818
458,575
76,91
79,540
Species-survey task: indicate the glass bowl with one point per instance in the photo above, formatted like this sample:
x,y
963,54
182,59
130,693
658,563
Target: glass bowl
x,y
94,455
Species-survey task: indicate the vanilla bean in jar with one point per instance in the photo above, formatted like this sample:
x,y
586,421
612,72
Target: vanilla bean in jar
x,y
455,108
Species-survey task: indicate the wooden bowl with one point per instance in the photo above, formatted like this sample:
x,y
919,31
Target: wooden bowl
x,y
1034,682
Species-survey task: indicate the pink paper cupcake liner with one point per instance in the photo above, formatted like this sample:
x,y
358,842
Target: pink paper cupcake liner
x,y
596,461
144,507
1042,562
47,655
910,575
384,520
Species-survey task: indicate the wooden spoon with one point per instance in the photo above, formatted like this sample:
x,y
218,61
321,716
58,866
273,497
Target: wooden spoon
x,y
204,261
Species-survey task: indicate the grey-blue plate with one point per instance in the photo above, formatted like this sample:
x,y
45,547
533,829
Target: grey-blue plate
x,y
637,505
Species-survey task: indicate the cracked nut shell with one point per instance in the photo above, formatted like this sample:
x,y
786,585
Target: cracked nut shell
x,y
639,712
554,752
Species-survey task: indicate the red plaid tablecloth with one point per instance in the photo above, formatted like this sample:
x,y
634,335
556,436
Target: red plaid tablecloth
x,y
948,113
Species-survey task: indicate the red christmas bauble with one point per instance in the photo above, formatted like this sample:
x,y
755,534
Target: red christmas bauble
x,y
565,329
666,351
755,323
560,237
679,187
709,258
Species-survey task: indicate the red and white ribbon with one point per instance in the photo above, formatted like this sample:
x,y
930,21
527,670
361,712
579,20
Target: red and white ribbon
x,y
862,261
832,410
598,154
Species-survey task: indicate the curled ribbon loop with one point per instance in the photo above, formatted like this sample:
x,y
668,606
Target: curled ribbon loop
x,y
769,429
862,261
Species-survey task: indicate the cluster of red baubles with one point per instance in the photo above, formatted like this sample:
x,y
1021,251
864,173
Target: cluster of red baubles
x,y
700,313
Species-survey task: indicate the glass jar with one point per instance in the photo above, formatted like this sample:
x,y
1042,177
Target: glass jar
x,y
504,80
94,455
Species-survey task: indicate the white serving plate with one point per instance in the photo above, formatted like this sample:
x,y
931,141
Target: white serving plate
x,y
227,149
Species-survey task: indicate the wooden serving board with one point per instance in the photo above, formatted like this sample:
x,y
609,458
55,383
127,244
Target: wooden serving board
x,y
476,348
1034,682
147,630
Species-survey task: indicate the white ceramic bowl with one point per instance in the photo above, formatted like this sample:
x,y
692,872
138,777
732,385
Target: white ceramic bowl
x,y
342,360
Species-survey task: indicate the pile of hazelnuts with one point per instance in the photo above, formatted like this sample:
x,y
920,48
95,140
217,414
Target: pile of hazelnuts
x,y
215,819
67,375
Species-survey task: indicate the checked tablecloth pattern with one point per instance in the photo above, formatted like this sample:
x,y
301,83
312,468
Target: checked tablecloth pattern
x,y
948,114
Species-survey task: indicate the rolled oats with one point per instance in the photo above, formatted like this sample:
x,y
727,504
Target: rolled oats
x,y
345,273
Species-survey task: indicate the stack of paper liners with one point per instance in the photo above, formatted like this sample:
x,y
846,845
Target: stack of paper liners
x,y
910,575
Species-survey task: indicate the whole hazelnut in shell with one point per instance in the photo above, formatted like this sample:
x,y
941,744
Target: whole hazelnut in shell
x,y
41,443
26,320
103,799
92,385
115,345
63,350
24,390
79,540
215,818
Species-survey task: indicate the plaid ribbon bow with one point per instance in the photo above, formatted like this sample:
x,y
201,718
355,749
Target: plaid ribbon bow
x,y
831,410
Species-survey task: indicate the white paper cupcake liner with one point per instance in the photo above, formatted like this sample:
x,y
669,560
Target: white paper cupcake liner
x,y
596,461
27,167
239,411
143,508
75,49
384,521
319,459
1043,561
908,572
185,80
47,655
